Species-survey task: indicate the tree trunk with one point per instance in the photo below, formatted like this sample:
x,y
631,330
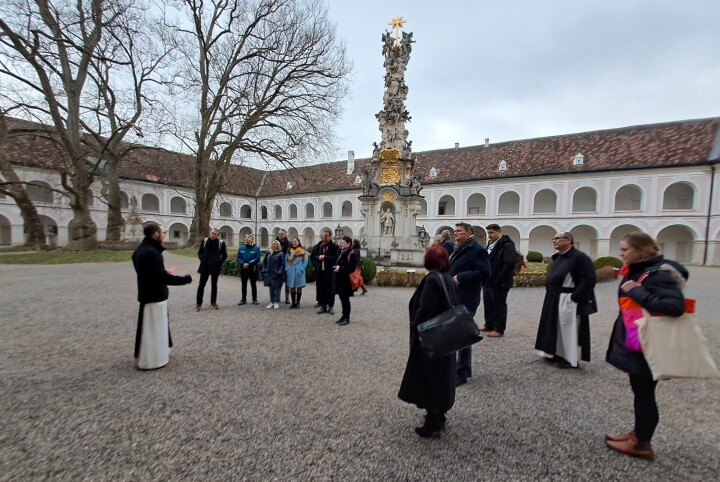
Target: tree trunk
x,y
34,229
83,230
115,221
200,227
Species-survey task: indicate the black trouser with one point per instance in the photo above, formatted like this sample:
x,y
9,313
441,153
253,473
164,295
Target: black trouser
x,y
245,275
463,365
213,287
495,307
324,285
646,409
344,296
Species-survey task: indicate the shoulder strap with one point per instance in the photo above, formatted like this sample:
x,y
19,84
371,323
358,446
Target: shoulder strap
x,y
447,295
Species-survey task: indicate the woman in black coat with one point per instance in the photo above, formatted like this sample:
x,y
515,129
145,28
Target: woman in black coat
x,y
430,384
346,263
655,284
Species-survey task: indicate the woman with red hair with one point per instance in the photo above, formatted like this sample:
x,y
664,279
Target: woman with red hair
x,y
430,384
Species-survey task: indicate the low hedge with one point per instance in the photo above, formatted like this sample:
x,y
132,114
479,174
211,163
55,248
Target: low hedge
x,y
534,257
529,280
369,270
607,261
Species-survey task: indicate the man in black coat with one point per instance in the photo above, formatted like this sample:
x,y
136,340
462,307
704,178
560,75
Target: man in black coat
x,y
470,268
502,254
284,245
324,258
447,243
569,302
152,338
212,254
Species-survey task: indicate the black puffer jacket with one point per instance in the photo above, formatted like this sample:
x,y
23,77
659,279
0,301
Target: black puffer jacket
x,y
660,293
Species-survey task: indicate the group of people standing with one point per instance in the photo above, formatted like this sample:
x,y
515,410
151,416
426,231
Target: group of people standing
x,y
455,276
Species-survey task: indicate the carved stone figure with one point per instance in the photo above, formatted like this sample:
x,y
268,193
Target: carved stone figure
x,y
387,221
415,185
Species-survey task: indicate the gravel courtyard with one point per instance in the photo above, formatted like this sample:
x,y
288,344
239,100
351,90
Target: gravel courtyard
x,y
256,394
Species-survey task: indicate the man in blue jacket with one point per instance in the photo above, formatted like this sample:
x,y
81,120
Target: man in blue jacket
x,y
248,257
470,268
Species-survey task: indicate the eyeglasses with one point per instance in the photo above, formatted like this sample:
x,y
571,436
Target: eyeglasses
x,y
559,238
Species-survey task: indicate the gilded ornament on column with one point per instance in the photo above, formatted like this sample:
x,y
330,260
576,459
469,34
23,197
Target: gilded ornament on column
x,y
390,175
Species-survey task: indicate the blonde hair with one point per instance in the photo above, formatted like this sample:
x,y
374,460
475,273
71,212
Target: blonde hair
x,y
642,243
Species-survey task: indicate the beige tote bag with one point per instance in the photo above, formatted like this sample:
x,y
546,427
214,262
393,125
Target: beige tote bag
x,y
675,347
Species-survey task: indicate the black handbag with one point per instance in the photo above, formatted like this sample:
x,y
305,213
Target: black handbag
x,y
449,331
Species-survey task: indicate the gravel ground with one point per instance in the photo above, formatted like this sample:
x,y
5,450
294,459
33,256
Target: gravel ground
x,y
258,394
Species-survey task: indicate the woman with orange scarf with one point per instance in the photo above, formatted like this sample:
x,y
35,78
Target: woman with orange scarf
x,y
296,261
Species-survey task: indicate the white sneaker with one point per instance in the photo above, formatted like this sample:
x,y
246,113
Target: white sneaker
x,y
276,306
270,305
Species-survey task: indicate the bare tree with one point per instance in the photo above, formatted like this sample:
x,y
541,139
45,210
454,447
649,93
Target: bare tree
x,y
76,65
267,78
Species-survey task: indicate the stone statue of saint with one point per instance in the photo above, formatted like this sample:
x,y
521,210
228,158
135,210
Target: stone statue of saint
x,y
387,221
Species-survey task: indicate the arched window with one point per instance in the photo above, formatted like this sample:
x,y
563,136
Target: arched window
x,y
309,211
423,208
264,212
39,192
628,198
347,209
178,205
293,211
584,200
476,204
446,206
679,196
278,211
245,212
90,198
327,210
150,202
545,202
509,203
225,210
124,201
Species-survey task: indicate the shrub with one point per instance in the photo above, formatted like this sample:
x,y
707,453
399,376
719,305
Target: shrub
x,y
534,257
606,273
369,270
399,278
607,261
529,279
230,267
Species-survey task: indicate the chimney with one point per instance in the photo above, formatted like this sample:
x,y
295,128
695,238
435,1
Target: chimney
x,y
487,142
351,162
457,144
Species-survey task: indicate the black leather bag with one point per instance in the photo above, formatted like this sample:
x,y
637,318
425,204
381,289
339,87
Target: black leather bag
x,y
449,331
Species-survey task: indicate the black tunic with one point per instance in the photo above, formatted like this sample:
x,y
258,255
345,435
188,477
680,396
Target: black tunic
x,y
429,384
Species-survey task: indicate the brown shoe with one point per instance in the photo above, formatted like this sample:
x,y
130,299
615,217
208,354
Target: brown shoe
x,y
494,334
485,328
214,306
619,437
632,447
198,308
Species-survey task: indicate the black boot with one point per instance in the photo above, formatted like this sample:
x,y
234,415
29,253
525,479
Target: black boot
x,y
293,305
432,426
299,295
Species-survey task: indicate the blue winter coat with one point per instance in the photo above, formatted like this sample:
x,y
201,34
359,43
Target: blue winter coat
x,y
295,272
274,269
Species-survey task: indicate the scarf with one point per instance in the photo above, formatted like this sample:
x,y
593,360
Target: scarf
x,y
294,254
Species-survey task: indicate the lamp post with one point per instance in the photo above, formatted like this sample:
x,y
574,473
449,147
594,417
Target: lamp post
x,y
338,233
423,237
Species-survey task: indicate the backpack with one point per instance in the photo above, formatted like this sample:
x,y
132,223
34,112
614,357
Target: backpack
x,y
519,261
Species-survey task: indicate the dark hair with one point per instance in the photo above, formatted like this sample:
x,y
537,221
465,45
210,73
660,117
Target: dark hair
x,y
494,227
642,243
299,243
466,227
150,228
326,230
445,234
356,244
436,259
348,240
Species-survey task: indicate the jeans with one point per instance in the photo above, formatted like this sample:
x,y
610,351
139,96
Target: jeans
x,y
213,287
245,275
646,409
275,294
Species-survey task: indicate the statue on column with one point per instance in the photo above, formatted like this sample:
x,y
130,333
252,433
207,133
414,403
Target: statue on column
x,y
387,221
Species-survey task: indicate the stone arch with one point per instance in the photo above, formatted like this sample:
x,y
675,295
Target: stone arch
x,y
264,241
5,231
327,210
480,234
244,232
245,211
446,205
509,203
585,238
346,210
513,233
293,210
178,233
679,195
226,210
443,228
278,211
292,232
347,231
540,240
39,192
584,200
617,235
264,212
178,205
423,207
309,211
676,242
545,202
228,234
629,198
476,205
308,237
150,202
124,201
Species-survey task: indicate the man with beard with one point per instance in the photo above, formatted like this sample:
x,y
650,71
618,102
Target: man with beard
x,y
324,257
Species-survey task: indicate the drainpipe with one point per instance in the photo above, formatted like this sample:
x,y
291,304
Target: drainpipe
x,y
709,212
257,196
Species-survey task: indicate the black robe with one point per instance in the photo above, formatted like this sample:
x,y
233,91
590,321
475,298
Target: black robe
x,y
582,271
429,384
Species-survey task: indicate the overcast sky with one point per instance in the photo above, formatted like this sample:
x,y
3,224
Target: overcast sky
x,y
516,69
